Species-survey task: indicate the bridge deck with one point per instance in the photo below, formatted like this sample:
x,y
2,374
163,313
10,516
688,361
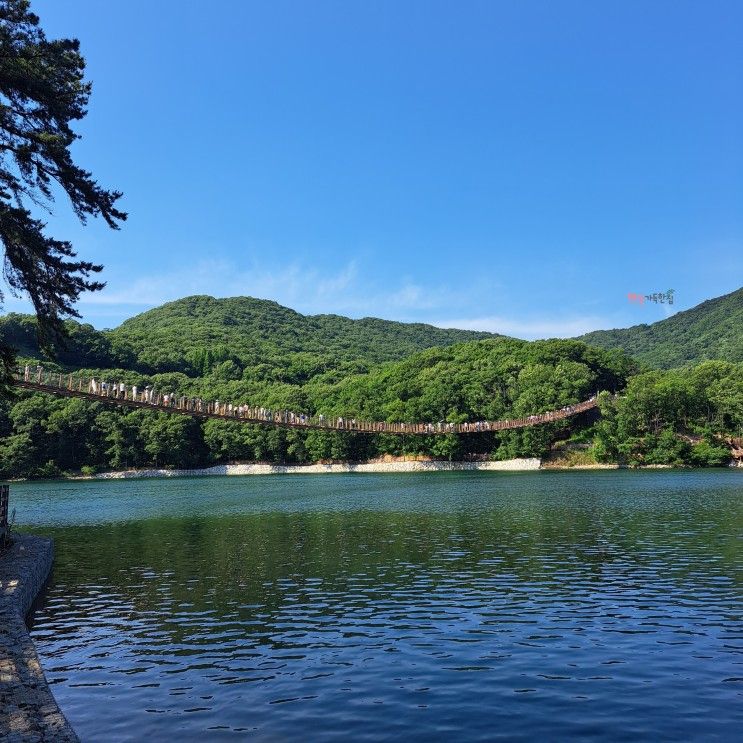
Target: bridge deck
x,y
68,385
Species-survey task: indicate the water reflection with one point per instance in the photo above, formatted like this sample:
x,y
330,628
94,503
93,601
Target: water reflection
x,y
418,607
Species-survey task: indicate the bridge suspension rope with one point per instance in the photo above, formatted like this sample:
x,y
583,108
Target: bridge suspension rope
x,y
74,385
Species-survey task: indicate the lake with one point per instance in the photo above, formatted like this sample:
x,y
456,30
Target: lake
x,y
463,606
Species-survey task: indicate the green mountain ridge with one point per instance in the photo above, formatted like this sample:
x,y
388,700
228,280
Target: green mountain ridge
x,y
711,330
195,334
256,330
251,351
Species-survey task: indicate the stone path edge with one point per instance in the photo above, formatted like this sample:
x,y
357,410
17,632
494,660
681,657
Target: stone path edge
x,y
28,710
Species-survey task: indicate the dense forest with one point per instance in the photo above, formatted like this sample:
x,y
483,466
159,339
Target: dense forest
x,y
250,351
196,334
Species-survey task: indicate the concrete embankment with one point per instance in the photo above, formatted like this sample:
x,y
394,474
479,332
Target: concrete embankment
x,y
510,465
28,710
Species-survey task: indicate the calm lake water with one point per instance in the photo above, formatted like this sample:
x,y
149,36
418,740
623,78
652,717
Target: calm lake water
x,y
448,606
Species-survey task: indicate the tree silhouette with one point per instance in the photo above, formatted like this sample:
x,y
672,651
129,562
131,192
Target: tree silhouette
x,y
42,91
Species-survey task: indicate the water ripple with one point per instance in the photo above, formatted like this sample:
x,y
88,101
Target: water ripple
x,y
466,607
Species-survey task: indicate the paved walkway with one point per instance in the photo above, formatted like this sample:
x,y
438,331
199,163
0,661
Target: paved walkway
x,y
28,710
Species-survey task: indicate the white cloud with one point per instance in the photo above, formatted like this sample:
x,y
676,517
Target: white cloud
x,y
530,329
307,289
310,290
221,279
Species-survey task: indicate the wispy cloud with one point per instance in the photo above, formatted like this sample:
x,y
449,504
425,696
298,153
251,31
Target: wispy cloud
x,y
530,329
299,286
311,290
221,278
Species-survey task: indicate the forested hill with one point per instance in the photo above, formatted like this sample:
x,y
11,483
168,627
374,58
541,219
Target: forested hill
x,y
246,351
199,334
711,330
256,329
195,334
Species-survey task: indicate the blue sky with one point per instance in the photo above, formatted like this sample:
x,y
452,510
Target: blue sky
x,y
511,166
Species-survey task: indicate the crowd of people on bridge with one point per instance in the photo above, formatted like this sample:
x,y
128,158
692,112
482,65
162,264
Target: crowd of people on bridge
x,y
150,396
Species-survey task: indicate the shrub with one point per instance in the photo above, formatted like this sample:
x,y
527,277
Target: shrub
x,y
666,448
705,454
47,471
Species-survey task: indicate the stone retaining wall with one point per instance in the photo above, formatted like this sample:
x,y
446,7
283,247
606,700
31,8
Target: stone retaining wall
x,y
28,710
512,465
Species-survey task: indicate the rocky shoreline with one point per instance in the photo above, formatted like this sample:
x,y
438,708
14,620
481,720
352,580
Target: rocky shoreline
x,y
221,470
510,465
28,710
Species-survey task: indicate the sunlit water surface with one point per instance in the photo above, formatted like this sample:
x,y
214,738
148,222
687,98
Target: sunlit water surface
x,y
467,606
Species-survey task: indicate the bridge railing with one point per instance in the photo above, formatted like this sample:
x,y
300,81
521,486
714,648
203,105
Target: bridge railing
x,y
118,392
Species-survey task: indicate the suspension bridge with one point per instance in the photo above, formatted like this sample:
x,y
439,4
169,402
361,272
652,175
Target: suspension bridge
x,y
39,379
